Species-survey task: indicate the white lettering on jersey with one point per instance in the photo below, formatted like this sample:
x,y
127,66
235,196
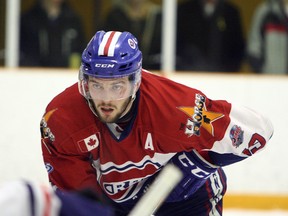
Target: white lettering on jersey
x,y
115,187
128,183
149,142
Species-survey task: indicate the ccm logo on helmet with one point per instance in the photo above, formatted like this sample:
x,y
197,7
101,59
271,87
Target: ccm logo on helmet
x,y
104,65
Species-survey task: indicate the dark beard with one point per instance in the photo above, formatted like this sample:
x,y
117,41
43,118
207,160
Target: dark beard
x,y
118,116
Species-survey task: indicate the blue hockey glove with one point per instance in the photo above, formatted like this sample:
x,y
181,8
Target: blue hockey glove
x,y
195,171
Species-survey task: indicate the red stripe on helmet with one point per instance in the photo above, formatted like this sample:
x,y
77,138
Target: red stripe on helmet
x,y
108,43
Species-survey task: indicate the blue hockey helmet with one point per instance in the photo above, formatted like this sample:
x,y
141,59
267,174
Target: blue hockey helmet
x,y
110,55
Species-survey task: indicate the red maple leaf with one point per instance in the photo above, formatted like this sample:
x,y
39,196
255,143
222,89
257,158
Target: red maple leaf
x,y
91,142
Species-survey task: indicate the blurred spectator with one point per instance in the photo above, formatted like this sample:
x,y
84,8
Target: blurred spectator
x,y
51,35
209,36
143,19
268,39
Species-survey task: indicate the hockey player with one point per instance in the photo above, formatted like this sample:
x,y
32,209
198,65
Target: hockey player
x,y
116,128
30,198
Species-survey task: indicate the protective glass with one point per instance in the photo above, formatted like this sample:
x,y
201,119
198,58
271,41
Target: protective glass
x,y
109,89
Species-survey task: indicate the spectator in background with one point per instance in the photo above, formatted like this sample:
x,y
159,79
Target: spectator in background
x,y
210,36
51,35
143,19
268,38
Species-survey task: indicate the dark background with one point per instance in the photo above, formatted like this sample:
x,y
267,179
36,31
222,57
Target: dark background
x,y
93,12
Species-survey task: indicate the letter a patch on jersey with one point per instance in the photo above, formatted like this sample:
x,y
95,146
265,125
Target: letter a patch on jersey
x,y
149,142
89,143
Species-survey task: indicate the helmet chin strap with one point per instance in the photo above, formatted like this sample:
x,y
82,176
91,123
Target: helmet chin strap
x,y
91,106
129,105
132,99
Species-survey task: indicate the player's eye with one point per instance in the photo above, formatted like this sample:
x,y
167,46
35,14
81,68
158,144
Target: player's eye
x,y
97,86
117,87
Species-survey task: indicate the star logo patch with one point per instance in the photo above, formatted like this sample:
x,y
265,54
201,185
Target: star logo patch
x,y
199,117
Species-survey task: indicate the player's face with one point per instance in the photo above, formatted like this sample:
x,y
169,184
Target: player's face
x,y
111,97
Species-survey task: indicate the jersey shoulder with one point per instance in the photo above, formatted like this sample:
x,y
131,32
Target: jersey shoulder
x,y
181,115
166,88
68,119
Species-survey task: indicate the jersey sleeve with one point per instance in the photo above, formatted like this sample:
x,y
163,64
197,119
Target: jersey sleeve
x,y
68,168
68,172
247,133
220,131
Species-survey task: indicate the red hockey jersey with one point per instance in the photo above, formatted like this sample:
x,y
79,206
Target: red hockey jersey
x,y
80,151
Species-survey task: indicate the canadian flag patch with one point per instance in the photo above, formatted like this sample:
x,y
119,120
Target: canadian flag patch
x,y
89,143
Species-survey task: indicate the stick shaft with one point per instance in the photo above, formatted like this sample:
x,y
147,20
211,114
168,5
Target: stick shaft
x,y
159,190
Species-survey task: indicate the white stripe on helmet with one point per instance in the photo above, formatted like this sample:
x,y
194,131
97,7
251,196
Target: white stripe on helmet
x,y
108,43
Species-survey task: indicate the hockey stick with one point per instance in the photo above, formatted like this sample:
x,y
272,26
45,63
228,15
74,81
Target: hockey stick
x,y
159,190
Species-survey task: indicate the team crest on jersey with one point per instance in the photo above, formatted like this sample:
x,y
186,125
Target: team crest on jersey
x,y
45,130
199,117
236,135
